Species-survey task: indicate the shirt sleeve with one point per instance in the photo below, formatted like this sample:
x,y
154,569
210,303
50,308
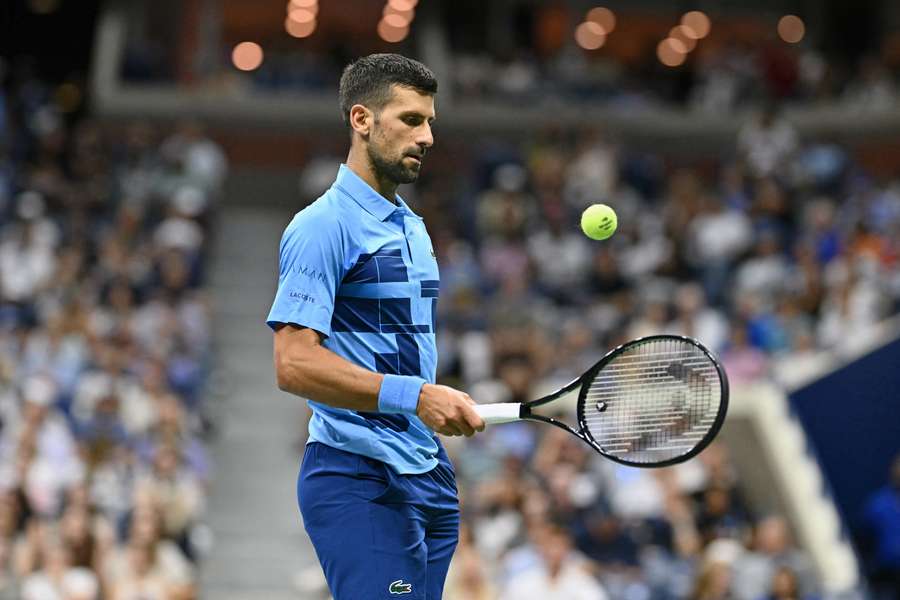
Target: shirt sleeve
x,y
310,268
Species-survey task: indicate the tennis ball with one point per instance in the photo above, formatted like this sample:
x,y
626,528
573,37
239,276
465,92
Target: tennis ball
x,y
599,221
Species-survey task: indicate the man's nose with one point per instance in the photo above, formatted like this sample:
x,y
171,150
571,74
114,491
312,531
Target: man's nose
x,y
424,138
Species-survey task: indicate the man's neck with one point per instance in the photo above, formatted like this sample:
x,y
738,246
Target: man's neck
x,y
360,164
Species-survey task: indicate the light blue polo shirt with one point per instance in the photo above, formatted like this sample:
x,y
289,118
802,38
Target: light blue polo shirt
x,y
362,271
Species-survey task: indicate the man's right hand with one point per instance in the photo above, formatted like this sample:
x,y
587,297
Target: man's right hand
x,y
448,411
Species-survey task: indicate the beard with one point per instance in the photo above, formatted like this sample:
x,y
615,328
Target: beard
x,y
392,167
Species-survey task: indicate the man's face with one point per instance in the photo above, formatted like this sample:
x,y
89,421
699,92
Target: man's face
x,y
401,134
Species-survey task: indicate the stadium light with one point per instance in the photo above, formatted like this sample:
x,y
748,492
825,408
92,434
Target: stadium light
x,y
682,34
247,56
396,21
299,30
389,32
390,9
301,18
603,17
677,45
301,15
402,5
697,24
791,28
668,53
590,35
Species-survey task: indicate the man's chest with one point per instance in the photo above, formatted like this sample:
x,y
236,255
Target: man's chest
x,y
391,284
389,255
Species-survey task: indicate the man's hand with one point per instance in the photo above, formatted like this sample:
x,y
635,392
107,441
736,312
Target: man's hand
x,y
448,411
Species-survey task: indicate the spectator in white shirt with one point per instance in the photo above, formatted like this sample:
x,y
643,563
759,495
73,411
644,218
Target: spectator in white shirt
x,y
558,577
767,143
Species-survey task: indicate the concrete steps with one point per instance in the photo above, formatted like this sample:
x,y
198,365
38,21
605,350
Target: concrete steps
x,y
259,545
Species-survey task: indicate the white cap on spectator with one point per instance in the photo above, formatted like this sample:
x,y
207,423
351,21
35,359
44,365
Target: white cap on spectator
x,y
39,390
80,584
189,200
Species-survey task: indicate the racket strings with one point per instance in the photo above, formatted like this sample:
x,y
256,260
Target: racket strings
x,y
654,402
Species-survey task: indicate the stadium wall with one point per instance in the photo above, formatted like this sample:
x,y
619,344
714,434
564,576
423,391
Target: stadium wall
x,y
851,420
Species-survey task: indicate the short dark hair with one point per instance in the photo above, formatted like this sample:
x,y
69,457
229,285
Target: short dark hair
x,y
368,81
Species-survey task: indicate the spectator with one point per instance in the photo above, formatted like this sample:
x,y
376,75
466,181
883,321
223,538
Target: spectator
x,y
27,259
468,579
771,549
766,270
560,256
176,491
881,520
557,577
694,317
104,338
137,580
741,361
767,143
80,584
198,159
78,536
713,582
874,90
785,586
850,308
149,563
593,172
47,582
719,516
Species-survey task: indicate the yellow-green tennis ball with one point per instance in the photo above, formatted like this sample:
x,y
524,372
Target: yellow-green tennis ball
x,y
599,221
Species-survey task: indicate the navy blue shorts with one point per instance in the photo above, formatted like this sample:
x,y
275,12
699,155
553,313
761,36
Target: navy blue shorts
x,y
378,534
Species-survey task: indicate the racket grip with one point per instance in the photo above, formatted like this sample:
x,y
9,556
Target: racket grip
x,y
504,412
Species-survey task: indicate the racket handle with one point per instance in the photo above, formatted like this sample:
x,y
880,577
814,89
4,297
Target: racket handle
x,y
503,412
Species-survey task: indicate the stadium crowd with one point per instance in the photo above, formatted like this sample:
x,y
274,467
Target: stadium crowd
x,y
532,56
719,78
784,250
723,80
104,352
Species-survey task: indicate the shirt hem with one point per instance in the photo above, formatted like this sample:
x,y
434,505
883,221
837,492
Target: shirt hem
x,y
399,471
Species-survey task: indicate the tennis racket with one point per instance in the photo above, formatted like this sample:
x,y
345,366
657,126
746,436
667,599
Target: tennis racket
x,y
652,402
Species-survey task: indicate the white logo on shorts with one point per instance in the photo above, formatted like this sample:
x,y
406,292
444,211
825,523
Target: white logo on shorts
x,y
398,587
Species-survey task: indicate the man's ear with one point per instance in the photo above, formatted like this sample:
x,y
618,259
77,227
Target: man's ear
x,y
361,119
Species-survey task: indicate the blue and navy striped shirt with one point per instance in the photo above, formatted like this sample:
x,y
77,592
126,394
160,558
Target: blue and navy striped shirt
x,y
362,271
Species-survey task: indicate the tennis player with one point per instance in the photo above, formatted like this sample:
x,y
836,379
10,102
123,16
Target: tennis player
x,y
354,334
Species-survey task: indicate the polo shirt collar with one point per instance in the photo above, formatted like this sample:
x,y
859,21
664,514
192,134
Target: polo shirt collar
x,y
370,200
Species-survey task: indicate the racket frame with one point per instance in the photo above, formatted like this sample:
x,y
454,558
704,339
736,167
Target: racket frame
x,y
584,381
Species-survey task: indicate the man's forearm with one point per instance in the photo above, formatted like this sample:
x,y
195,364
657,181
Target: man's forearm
x,y
319,374
314,372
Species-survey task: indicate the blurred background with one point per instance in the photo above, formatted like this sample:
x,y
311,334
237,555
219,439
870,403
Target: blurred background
x,y
151,154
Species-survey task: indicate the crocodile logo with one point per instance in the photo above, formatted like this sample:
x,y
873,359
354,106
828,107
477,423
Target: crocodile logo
x,y
398,587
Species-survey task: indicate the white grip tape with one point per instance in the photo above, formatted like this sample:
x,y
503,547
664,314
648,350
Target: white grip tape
x,y
498,413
